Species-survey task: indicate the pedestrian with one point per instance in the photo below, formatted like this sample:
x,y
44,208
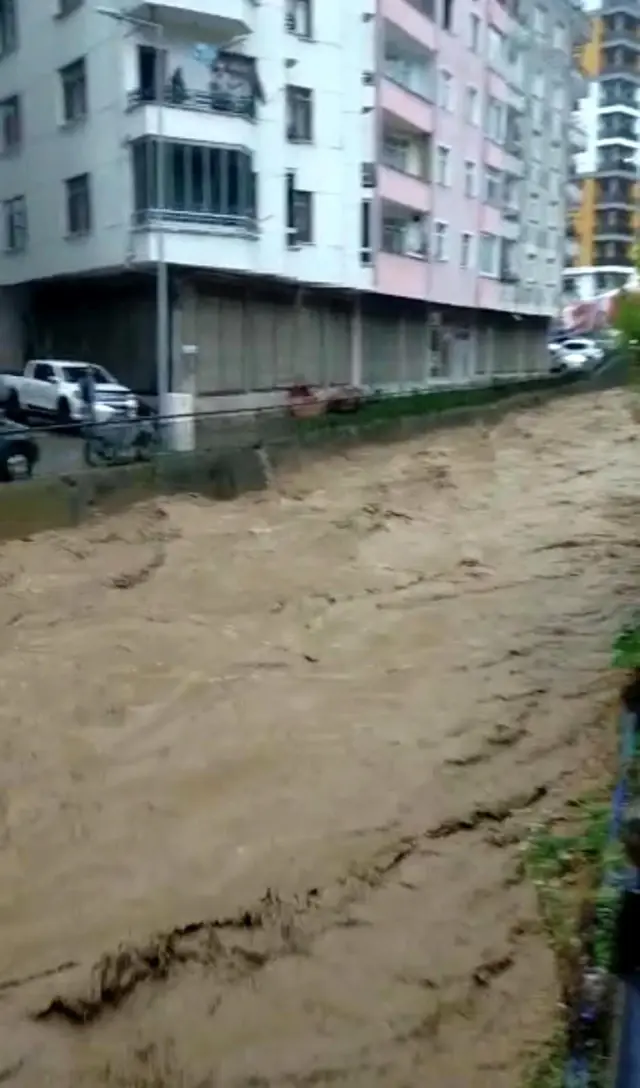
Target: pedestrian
x,y
88,394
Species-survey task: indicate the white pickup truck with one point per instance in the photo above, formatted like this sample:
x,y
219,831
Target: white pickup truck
x,y
51,387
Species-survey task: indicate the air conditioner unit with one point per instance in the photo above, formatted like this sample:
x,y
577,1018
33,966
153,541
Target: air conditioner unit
x,y
290,22
366,257
368,79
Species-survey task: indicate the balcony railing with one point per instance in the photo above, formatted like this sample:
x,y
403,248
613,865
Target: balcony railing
x,y
401,239
202,101
626,36
149,218
418,79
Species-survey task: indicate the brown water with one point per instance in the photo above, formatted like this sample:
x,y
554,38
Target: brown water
x,y
318,723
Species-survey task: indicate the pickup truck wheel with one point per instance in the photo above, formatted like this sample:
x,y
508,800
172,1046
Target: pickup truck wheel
x,y
16,464
63,412
13,409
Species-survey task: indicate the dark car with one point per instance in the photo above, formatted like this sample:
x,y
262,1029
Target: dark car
x,y
19,451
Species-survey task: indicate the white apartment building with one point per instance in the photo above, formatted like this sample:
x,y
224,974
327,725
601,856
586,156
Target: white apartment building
x,y
298,245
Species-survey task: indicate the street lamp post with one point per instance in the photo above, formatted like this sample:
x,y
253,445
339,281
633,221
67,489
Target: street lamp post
x,y
162,278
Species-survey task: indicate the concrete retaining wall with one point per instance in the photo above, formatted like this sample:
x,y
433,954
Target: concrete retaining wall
x,y
60,502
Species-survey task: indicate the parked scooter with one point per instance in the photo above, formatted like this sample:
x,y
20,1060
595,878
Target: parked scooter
x,y
121,441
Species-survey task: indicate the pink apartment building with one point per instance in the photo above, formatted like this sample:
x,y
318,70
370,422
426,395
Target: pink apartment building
x,y
470,198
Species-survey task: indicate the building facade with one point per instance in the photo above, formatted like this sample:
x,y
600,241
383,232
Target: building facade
x,y
604,221
371,192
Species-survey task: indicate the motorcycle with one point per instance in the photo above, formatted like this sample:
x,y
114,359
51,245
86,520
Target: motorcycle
x,y
121,441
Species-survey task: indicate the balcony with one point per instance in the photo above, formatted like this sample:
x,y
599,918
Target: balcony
x,y
221,84
628,7
616,70
614,201
207,189
404,232
199,222
408,80
413,21
224,18
577,133
574,194
403,174
625,34
200,101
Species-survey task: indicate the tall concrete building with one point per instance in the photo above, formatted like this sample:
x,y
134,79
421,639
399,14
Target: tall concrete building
x,y
604,221
370,191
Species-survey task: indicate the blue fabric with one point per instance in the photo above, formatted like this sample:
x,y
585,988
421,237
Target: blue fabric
x,y
628,1057
627,1060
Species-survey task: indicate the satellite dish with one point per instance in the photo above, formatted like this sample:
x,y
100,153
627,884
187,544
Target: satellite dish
x,y
205,54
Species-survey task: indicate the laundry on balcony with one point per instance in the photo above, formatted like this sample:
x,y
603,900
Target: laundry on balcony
x,y
235,75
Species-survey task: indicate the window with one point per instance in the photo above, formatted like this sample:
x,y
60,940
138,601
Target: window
x,y
496,48
488,255
405,237
445,89
440,241
298,18
73,80
493,186
205,185
15,224
511,192
299,214
365,231
78,205
8,27
395,152
443,165
472,106
496,120
43,372
470,179
465,249
11,124
447,14
474,33
299,114
66,7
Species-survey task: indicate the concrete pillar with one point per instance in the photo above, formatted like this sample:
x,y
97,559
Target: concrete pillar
x,y
356,342
184,345
473,352
401,374
181,430
490,348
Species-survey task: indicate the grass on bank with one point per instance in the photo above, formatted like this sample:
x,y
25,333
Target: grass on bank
x,y
566,860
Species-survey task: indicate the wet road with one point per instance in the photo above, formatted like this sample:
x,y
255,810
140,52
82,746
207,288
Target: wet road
x,y
284,751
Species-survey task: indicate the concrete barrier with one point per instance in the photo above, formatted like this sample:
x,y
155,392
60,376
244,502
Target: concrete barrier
x,y
60,502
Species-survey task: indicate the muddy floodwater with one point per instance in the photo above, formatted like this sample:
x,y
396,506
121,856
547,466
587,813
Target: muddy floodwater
x,y
265,767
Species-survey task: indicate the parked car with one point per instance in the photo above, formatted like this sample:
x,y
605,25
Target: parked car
x,y
51,388
19,451
576,355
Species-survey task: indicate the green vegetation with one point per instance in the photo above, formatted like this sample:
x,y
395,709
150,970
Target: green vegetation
x,y
547,1069
626,320
626,647
429,403
566,860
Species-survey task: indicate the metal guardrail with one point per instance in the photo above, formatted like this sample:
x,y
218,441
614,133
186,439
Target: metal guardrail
x,y
278,425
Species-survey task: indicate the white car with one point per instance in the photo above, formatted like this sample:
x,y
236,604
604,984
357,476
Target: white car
x,y
52,387
575,355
